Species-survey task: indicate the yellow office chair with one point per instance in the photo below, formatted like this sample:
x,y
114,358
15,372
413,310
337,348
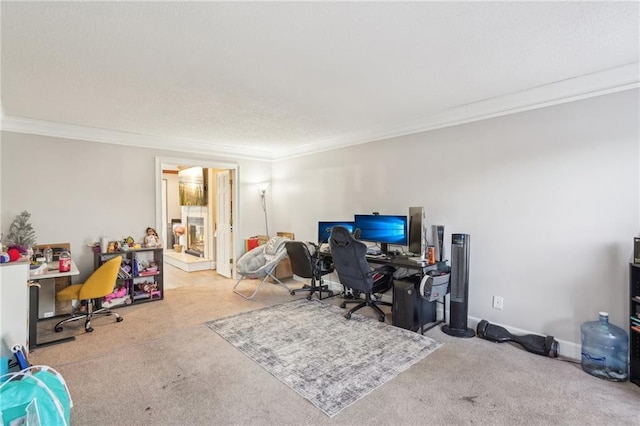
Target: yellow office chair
x,y
98,285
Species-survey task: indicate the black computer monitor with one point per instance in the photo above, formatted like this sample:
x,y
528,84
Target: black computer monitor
x,y
383,229
324,230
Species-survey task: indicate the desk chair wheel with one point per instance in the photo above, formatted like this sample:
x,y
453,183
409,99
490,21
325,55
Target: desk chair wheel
x,y
88,329
58,329
308,297
343,305
330,293
293,292
347,315
119,319
381,318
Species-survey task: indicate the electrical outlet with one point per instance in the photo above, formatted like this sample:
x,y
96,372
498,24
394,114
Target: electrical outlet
x,y
498,302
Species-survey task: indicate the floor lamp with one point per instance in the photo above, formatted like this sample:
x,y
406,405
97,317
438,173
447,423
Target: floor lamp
x,y
262,188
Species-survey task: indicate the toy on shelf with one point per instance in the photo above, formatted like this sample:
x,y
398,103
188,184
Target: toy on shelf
x,y
151,239
150,268
148,287
119,296
119,292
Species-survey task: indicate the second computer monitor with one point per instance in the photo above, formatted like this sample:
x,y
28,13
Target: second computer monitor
x,y
383,229
324,230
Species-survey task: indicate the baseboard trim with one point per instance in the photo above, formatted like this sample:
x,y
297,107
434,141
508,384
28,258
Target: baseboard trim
x,y
566,349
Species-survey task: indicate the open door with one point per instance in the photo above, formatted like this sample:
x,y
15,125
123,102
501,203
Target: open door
x,y
223,223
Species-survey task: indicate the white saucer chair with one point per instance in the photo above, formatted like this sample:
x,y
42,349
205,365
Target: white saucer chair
x,y
260,263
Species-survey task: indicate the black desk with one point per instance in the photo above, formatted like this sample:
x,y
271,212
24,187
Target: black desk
x,y
398,261
403,261
420,268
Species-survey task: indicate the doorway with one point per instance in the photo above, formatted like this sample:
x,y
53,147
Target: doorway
x,y
222,254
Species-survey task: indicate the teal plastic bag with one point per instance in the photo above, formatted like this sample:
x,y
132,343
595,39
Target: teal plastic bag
x,y
35,396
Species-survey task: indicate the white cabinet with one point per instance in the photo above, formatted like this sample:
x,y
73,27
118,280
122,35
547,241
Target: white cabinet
x,y
14,307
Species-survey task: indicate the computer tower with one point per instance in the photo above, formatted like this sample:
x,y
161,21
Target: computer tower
x,y
459,293
409,310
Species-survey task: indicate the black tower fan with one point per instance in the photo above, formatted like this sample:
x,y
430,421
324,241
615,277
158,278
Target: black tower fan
x,y
459,293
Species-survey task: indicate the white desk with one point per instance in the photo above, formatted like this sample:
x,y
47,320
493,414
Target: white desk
x,y
42,301
47,293
14,307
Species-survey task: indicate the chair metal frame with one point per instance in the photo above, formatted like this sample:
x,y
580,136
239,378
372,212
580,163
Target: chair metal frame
x,y
265,272
76,315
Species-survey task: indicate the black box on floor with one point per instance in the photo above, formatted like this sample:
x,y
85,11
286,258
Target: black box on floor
x,y
409,310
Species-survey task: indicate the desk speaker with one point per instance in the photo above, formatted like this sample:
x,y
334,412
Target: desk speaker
x,y
459,294
417,237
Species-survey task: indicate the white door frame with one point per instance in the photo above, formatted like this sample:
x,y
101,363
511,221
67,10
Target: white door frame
x,y
211,164
223,228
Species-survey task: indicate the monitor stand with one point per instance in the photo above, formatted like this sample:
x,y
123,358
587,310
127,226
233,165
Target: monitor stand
x,y
384,248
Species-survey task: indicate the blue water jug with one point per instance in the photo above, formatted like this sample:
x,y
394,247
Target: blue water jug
x,y
604,349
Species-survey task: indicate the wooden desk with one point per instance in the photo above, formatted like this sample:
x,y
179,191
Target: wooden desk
x,y
42,299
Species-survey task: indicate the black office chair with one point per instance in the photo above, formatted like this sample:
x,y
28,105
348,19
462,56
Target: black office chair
x,y
350,262
306,262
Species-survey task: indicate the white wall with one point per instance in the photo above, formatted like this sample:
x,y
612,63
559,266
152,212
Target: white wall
x,y
77,191
1,229
550,198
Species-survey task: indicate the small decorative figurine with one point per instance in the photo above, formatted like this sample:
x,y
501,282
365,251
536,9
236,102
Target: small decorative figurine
x,y
151,239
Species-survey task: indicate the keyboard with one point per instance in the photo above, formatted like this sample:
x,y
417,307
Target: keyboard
x,y
376,256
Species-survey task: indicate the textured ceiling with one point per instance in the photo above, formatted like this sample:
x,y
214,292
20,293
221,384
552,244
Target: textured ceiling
x,y
270,80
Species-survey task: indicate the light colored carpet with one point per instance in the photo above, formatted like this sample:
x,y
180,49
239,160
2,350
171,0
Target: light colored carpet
x,y
329,360
163,366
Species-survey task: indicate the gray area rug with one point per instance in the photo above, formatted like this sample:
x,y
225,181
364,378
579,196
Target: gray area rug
x,y
325,358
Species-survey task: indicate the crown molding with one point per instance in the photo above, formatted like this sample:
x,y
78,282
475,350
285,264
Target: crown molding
x,y
93,134
582,87
619,79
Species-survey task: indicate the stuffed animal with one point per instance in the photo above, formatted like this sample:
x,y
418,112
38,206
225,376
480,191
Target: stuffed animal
x,y
14,254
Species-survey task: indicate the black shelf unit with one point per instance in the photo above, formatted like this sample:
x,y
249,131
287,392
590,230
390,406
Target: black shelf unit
x,y
136,278
634,330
